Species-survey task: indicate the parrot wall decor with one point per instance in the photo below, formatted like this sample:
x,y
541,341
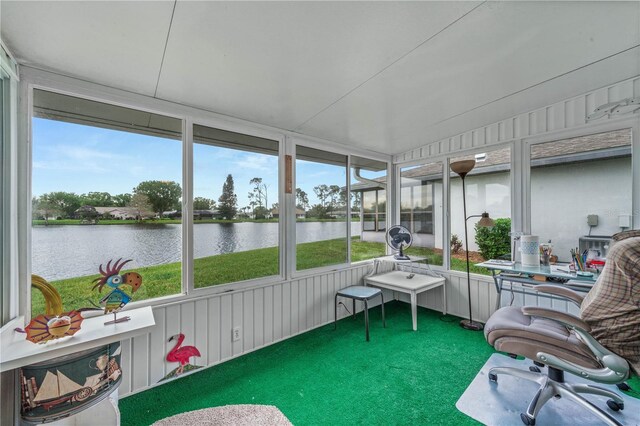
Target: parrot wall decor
x,y
117,298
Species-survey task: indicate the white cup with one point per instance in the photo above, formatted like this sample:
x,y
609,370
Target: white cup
x,y
530,250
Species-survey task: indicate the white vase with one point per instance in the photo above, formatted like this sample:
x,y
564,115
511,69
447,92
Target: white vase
x,y
530,250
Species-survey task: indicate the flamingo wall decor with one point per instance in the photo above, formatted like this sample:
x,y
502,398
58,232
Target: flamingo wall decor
x,y
181,354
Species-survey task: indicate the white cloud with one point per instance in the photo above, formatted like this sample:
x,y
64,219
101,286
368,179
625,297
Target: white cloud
x,y
256,162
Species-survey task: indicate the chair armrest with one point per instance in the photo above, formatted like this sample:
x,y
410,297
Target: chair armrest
x,y
565,292
566,319
616,368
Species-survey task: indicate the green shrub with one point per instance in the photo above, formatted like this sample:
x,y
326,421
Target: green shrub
x,y
456,244
494,242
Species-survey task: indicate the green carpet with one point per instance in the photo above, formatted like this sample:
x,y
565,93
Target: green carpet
x,y
335,377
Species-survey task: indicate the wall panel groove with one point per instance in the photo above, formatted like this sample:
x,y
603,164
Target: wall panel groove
x,y
268,314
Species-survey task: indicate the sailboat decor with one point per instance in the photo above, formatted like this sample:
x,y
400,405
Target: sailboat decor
x,y
60,387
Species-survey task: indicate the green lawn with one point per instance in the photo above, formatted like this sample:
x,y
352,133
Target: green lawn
x,y
163,280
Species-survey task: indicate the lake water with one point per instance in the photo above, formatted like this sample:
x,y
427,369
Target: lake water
x,y
70,251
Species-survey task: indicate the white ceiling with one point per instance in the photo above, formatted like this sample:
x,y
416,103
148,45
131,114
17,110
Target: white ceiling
x,y
387,76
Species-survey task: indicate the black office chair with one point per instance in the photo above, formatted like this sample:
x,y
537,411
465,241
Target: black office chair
x,y
359,292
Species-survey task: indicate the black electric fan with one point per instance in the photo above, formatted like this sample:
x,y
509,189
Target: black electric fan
x,y
399,238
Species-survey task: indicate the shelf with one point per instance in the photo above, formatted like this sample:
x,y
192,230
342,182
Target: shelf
x,y
16,351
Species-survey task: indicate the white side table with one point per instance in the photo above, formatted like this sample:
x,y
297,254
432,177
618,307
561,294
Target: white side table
x,y
399,281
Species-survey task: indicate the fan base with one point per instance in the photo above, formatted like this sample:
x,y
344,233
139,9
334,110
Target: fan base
x,y
403,257
471,325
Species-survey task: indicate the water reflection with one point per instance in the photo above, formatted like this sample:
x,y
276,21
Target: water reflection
x,y
69,251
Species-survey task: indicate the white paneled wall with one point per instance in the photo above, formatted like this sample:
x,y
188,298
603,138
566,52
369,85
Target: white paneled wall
x,y
267,315
564,115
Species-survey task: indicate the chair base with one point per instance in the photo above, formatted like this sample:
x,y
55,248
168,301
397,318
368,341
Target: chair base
x,y
550,388
471,325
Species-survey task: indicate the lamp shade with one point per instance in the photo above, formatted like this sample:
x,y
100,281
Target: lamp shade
x,y
462,167
485,221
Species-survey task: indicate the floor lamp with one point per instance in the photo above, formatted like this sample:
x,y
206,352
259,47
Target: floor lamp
x,y
462,168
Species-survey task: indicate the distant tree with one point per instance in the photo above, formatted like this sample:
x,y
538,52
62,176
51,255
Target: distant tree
x,y
201,203
302,199
163,195
140,202
259,195
318,211
228,200
334,195
44,208
322,192
97,199
87,214
355,201
260,212
121,200
63,203
275,206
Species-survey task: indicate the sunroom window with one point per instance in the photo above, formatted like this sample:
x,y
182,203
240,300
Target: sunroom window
x,y
105,183
368,208
235,207
421,198
321,234
594,172
488,189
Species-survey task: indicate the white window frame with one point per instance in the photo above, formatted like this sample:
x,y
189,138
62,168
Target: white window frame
x,y
445,159
43,80
342,150
9,238
626,122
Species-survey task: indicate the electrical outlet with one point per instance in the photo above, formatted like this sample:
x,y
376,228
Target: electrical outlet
x,y
235,334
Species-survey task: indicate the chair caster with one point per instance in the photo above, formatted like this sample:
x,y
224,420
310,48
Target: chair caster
x,y
529,421
615,406
623,386
534,369
493,377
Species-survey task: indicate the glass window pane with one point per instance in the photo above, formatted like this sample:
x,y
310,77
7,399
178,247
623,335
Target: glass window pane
x,y
421,209
595,173
368,194
106,185
321,237
235,207
488,189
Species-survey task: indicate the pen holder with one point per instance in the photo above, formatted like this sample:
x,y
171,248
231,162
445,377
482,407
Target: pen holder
x,y
530,249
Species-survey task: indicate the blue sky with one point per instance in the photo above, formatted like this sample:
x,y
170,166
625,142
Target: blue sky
x,y
76,158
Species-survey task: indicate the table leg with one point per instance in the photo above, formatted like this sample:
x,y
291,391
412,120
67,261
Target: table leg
x,y
335,312
414,310
444,298
497,280
366,318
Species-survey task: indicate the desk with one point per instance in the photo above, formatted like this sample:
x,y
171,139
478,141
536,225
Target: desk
x,y
522,274
399,281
